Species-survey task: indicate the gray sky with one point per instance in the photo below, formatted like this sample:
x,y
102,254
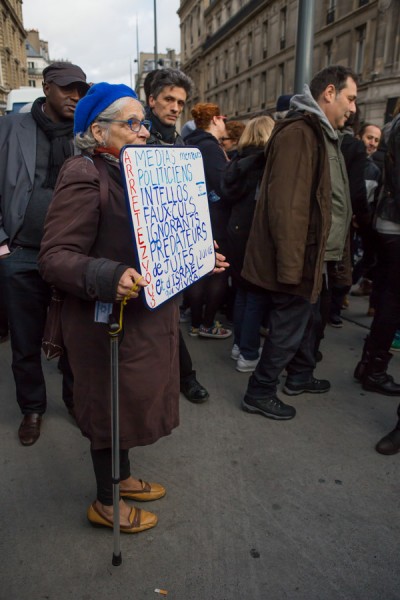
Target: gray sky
x,y
100,35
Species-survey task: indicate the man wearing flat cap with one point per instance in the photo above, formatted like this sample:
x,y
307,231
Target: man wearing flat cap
x,y
33,147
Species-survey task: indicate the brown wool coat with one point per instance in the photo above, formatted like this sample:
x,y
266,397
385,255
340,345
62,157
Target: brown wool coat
x,y
86,247
286,247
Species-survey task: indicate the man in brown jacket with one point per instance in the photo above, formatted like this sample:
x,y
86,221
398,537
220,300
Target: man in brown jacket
x,y
301,222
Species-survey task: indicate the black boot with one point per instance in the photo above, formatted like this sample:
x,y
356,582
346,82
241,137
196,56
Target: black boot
x,y
390,444
376,379
361,367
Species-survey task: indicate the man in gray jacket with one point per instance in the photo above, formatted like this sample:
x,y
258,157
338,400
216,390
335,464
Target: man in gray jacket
x,y
33,147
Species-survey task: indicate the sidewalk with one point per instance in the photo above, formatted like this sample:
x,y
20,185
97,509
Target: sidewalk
x,y
255,509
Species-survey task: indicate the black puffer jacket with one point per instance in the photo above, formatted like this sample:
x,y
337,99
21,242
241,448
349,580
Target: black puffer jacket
x,y
389,202
355,157
215,162
239,188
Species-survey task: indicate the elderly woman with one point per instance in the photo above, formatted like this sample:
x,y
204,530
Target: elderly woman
x,y
206,296
88,252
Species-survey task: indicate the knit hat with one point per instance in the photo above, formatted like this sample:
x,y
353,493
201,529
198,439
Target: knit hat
x,y
188,127
98,98
283,102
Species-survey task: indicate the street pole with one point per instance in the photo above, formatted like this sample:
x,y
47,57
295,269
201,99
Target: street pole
x,y
155,35
137,83
304,44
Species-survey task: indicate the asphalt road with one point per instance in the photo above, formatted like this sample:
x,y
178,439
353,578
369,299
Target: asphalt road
x,y
255,509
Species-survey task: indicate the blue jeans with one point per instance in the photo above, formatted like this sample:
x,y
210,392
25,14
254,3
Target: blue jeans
x,y
248,313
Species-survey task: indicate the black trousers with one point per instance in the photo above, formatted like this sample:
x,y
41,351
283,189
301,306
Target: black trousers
x,y
3,313
185,361
387,315
205,297
27,298
290,344
102,464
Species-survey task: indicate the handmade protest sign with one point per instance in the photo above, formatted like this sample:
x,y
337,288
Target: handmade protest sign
x,y
167,197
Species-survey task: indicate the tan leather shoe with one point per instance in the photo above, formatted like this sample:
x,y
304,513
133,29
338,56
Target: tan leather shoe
x,y
139,520
149,491
29,430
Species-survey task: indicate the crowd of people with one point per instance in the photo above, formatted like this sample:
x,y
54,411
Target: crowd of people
x,y
288,195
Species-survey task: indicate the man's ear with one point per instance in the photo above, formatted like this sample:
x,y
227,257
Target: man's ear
x,y
330,93
152,101
46,88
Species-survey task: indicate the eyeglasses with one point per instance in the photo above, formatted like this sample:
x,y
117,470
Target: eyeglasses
x,y
133,124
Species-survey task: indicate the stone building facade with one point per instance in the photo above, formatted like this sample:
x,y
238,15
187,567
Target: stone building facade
x,y
13,68
241,53
37,57
146,64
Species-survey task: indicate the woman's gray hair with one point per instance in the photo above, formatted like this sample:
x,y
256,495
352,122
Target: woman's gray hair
x,y
85,141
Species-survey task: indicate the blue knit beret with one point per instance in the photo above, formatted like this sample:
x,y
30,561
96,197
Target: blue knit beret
x,y
98,98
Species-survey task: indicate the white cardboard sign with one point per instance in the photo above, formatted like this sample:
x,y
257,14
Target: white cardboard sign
x,y
167,197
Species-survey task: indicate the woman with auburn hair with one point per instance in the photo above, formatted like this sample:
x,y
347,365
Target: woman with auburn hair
x,y
230,141
240,185
209,292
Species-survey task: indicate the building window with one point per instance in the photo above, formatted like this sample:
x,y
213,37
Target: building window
x,y
249,49
225,101
216,69
236,102
263,91
281,79
32,83
249,95
237,56
226,64
328,53
362,2
330,15
282,27
265,39
360,48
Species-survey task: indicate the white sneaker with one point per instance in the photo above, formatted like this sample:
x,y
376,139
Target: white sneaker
x,y
235,352
246,366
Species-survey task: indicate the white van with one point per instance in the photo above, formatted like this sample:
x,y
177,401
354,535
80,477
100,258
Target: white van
x,y
22,97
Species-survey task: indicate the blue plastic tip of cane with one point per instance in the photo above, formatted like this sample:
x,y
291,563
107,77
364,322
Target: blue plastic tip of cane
x,y
117,560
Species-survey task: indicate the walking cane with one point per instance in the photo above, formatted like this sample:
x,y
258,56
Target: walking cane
x,y
113,331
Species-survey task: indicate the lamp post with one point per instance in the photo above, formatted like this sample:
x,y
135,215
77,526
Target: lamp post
x,y
155,35
304,44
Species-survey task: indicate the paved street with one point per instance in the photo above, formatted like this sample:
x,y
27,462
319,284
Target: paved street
x,y
255,509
